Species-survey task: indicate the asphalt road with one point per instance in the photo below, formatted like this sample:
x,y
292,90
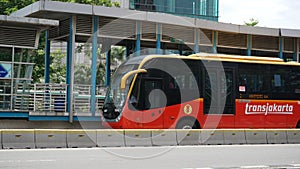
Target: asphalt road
x,y
232,156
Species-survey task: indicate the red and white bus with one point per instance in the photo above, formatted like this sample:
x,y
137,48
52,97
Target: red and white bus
x,y
203,91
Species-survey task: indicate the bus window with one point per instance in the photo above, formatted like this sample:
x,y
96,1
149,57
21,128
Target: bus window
x,y
280,79
252,79
153,94
294,80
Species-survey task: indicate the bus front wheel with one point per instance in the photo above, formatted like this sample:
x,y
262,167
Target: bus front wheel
x,y
298,125
188,123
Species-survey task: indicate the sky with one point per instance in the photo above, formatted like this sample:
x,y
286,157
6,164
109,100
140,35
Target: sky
x,y
269,13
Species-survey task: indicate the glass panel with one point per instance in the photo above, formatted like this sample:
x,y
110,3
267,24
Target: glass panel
x,y
5,94
154,97
6,54
211,91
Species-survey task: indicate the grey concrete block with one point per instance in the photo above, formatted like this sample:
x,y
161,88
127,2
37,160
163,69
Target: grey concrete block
x,y
138,137
212,137
258,136
188,137
0,139
18,139
81,138
50,138
234,136
164,137
277,136
110,138
293,136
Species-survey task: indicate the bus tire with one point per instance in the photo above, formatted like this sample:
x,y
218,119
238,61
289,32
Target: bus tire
x,y
298,125
188,123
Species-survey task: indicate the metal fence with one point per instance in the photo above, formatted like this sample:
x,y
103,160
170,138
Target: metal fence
x,y
49,99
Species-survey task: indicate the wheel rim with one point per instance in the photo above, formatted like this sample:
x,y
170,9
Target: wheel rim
x,y
187,127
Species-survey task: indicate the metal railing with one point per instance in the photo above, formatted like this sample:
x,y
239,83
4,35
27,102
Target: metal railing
x,y
49,99
82,100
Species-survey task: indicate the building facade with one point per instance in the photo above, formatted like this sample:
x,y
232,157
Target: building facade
x,y
201,9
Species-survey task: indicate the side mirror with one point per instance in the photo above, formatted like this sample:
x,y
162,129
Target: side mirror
x,y
125,77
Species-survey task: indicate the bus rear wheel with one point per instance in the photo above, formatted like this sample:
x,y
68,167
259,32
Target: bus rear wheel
x,y
298,125
188,124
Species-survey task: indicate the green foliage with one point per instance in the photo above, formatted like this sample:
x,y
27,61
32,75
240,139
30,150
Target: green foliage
x,y
58,67
9,6
252,22
118,53
107,3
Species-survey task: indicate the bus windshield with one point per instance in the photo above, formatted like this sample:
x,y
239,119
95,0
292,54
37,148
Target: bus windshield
x,y
115,97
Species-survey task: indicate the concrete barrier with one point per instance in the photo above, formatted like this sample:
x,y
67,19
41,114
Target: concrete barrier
x,y
293,136
50,138
234,136
138,138
43,138
18,139
257,136
164,137
81,138
110,138
277,136
0,139
188,137
212,137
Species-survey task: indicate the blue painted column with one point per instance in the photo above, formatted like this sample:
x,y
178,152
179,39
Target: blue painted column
x,y
249,45
158,39
70,68
296,50
47,69
47,58
108,71
196,47
94,66
214,42
281,47
138,39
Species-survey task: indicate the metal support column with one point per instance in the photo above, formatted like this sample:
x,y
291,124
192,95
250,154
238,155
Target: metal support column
x,y
249,45
196,47
70,67
158,38
281,43
94,66
138,39
108,71
296,50
215,42
47,58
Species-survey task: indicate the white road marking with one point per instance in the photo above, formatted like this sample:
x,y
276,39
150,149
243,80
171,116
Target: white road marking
x,y
255,166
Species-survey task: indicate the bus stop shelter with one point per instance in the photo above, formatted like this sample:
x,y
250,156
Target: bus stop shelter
x,y
17,34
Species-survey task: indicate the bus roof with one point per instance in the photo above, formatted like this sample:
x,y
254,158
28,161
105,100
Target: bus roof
x,y
243,59
216,57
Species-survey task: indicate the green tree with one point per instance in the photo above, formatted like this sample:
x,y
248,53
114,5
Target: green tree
x,y
58,68
252,22
9,6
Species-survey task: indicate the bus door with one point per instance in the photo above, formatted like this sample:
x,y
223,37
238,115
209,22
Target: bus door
x,y
219,97
154,103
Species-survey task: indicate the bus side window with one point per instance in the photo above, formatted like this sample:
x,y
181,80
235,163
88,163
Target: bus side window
x,y
252,79
294,80
280,79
